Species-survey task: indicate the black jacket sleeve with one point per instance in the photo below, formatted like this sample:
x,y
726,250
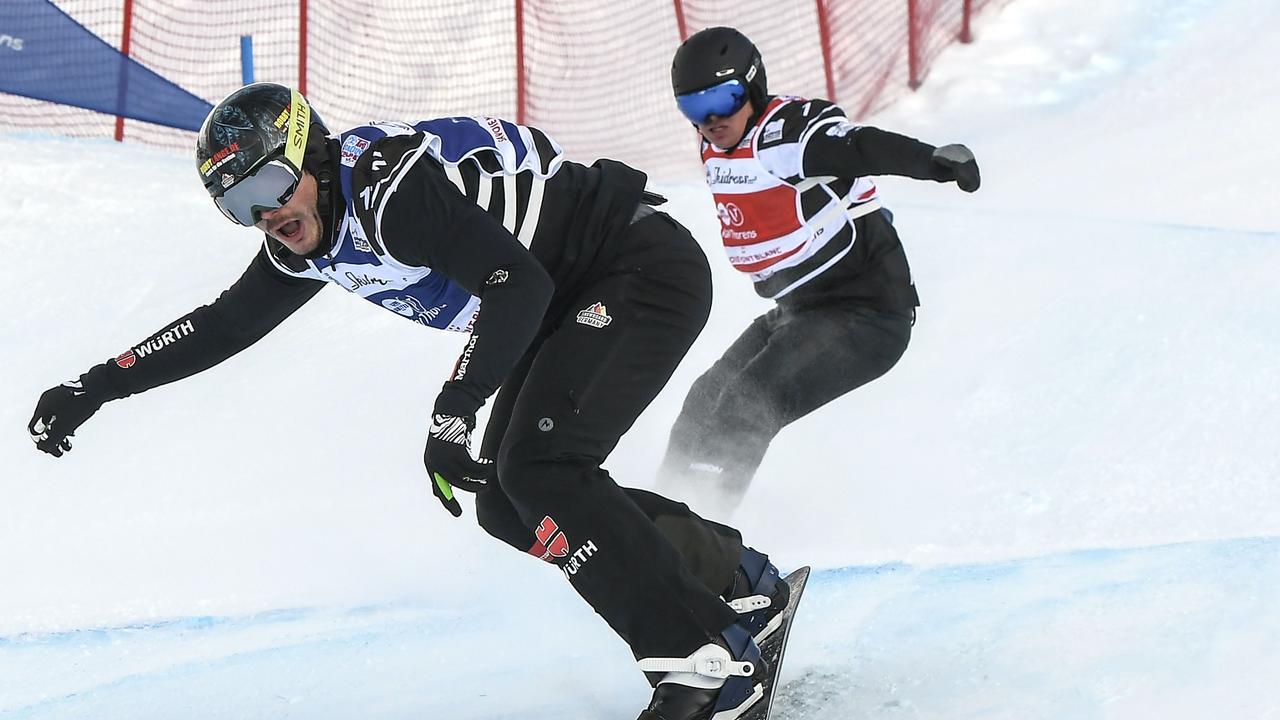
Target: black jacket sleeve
x,y
259,301
868,151
428,222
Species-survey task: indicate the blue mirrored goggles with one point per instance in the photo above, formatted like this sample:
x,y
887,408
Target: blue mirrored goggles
x,y
267,188
720,100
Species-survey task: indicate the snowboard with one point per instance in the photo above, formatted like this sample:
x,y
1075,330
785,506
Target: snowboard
x,y
774,646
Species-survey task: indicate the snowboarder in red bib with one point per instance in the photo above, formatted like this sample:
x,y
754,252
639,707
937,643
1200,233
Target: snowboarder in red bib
x,y
801,217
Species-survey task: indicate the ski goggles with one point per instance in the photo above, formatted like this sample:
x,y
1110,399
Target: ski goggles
x,y
267,188
720,100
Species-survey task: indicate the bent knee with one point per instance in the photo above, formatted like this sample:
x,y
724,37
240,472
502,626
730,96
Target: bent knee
x,y
530,469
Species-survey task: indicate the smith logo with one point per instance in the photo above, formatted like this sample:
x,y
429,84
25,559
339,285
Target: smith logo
x,y
127,358
299,134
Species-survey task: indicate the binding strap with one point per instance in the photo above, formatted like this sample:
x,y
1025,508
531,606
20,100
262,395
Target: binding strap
x,y
750,604
710,660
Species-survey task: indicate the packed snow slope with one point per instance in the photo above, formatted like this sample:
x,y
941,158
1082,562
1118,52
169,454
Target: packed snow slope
x,y
1061,503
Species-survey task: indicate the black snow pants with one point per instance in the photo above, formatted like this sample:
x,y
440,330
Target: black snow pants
x,y
786,364
649,566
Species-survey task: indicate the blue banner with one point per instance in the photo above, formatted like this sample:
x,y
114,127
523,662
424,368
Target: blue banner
x,y
46,55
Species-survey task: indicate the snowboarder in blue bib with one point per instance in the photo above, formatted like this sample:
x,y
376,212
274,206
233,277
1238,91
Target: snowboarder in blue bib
x,y
580,300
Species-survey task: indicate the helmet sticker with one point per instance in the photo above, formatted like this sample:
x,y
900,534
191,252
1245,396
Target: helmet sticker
x,y
299,121
219,158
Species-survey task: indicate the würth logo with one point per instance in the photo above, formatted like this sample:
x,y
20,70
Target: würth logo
x,y
580,557
551,542
127,358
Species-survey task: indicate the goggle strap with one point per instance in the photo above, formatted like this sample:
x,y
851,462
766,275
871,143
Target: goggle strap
x,y
295,146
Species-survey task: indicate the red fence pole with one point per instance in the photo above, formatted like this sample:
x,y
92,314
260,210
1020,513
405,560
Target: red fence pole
x,y
913,43
302,46
521,113
824,34
966,29
125,37
680,26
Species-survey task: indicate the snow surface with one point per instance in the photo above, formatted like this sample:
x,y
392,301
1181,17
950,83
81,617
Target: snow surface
x,y
1061,503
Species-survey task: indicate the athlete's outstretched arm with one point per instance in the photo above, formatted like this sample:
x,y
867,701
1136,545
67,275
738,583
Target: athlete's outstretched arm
x,y
843,149
259,301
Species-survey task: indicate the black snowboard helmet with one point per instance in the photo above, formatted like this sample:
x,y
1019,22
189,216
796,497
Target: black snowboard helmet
x,y
716,54
257,126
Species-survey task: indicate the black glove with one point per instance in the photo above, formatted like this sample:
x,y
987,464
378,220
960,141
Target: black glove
x,y
449,462
59,412
956,162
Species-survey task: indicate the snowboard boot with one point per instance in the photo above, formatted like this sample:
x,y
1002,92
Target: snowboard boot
x,y
719,681
758,593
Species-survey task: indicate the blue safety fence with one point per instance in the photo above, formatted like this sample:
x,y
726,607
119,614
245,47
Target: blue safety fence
x,y
46,55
